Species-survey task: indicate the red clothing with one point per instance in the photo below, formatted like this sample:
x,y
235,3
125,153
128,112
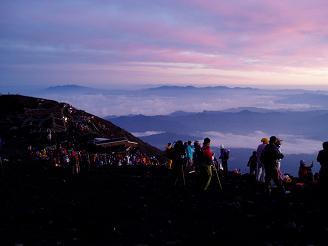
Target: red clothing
x,y
302,172
207,153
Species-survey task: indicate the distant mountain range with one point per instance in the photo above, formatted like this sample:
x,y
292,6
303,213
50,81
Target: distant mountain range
x,y
173,90
71,89
238,125
168,99
194,88
315,99
312,124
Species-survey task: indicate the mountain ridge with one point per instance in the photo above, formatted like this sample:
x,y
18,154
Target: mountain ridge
x,y
26,120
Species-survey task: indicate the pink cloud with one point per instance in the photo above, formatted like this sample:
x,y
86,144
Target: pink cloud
x,y
236,35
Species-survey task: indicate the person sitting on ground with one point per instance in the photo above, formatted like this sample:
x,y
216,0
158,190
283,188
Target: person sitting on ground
x,y
305,172
252,163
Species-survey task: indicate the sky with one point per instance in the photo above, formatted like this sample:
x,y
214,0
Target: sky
x,y
129,43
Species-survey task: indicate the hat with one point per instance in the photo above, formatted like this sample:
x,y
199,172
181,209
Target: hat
x,y
221,146
265,140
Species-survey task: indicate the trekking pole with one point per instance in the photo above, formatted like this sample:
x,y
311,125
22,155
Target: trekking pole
x,y
183,176
217,176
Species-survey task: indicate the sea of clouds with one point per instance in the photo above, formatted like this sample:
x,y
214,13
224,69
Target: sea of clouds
x,y
291,144
104,104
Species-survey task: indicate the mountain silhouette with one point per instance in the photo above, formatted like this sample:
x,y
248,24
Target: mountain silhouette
x,y
26,120
311,124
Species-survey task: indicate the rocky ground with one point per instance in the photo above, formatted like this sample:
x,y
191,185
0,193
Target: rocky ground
x,y
26,121
140,206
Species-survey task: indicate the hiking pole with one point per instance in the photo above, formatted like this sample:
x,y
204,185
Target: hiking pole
x,y
217,176
183,176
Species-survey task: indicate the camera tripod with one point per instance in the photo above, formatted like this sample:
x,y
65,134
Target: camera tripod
x,y
217,176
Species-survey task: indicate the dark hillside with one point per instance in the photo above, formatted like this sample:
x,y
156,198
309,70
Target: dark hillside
x,y
26,121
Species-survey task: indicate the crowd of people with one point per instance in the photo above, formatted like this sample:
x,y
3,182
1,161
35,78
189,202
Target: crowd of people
x,y
182,158
67,155
264,164
187,158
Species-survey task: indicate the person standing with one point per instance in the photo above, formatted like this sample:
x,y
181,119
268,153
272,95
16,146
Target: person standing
x,y
179,162
322,158
49,135
252,162
269,158
189,155
260,175
278,144
197,156
207,163
224,157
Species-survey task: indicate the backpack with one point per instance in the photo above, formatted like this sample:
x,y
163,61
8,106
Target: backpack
x,y
204,159
225,155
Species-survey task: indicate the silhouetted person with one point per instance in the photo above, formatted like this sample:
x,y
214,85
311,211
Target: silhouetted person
x,y
224,157
252,163
278,144
260,166
179,162
323,160
197,156
49,135
269,158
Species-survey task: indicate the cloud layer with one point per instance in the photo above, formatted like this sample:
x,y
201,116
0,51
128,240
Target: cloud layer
x,y
291,144
164,41
125,104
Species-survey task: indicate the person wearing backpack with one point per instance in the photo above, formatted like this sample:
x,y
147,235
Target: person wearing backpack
x,y
269,158
224,157
179,156
207,162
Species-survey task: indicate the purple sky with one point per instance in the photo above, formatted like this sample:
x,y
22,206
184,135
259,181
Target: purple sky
x,y
152,42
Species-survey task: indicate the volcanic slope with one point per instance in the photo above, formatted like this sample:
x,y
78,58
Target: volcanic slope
x,y
27,120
